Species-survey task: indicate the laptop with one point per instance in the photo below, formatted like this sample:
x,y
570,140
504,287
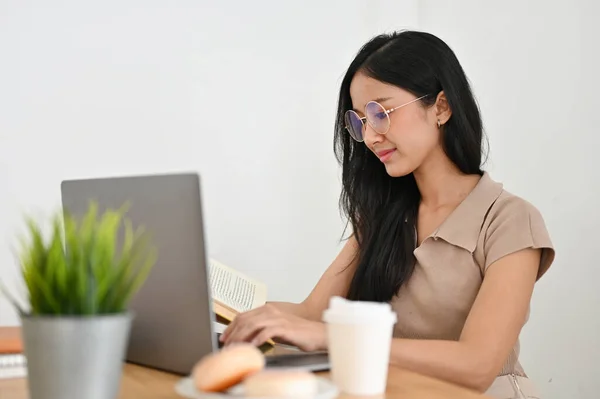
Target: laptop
x,y
173,325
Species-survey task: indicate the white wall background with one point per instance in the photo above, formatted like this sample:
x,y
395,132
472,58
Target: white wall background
x,y
245,94
242,92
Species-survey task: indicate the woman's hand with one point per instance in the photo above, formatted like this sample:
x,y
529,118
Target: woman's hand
x,y
268,322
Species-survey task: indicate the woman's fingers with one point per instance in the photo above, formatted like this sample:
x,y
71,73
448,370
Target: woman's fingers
x,y
246,324
247,329
260,326
231,327
288,333
240,319
268,333
242,331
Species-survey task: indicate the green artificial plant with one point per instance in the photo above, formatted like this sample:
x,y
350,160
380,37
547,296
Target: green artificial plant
x,y
84,269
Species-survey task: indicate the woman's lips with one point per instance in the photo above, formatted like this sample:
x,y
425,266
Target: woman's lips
x,y
385,155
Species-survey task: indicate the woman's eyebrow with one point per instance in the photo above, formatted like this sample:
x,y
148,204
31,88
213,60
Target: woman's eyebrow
x,y
377,100
381,99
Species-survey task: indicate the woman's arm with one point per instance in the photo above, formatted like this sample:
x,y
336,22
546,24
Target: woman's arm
x,y
272,321
490,332
297,309
334,282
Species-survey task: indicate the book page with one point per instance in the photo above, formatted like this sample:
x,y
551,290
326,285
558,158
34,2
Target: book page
x,y
234,289
13,366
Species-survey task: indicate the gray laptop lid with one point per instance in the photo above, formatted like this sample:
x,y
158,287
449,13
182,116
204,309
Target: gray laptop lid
x,y
172,328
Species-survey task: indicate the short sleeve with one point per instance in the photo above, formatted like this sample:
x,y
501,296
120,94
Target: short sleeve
x,y
516,225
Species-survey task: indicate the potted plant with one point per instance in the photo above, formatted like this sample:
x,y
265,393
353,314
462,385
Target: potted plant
x,y
79,282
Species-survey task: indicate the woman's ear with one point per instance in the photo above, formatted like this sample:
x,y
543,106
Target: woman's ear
x,y
442,108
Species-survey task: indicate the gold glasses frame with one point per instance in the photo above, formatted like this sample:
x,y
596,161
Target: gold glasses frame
x,y
364,118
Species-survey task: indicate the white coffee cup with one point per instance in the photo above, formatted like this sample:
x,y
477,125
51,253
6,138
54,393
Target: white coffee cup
x,y
359,336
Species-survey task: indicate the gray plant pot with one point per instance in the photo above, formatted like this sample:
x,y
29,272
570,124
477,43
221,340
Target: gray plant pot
x,y
75,357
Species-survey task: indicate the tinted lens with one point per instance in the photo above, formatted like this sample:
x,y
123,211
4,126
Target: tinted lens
x,y
377,117
354,125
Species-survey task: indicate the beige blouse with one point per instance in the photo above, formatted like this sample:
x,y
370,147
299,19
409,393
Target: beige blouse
x,y
451,263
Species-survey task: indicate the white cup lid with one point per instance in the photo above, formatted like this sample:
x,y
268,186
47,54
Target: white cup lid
x,y
345,311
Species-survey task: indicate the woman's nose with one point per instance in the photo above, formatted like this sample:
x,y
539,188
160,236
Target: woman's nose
x,y
371,137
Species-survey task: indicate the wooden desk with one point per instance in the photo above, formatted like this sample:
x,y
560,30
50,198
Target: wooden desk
x,y
140,382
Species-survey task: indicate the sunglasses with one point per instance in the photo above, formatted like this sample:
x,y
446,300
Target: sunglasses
x,y
375,115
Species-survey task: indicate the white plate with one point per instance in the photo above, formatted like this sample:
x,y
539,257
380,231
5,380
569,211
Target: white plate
x,y
185,387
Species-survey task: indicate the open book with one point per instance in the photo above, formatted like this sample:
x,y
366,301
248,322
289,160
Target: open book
x,y
233,292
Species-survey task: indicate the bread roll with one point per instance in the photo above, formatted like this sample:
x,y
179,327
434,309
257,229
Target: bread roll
x,y
281,384
221,370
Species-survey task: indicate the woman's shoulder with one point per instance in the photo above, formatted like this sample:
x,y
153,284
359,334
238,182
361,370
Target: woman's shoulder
x,y
509,205
510,209
513,223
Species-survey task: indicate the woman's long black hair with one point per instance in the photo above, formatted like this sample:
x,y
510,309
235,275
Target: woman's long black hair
x,y
382,210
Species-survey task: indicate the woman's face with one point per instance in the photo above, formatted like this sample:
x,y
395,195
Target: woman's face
x,y
413,131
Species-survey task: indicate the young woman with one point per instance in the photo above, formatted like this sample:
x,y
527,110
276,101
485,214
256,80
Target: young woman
x,y
455,254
